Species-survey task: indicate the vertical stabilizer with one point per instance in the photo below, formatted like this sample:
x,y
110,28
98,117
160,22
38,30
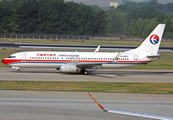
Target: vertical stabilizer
x,y
152,42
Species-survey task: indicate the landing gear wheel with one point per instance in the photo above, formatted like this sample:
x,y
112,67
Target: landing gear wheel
x,y
86,72
18,70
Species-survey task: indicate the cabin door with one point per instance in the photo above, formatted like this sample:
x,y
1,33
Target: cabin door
x,y
135,59
23,57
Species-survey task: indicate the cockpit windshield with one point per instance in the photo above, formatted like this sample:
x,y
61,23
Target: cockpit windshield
x,y
11,56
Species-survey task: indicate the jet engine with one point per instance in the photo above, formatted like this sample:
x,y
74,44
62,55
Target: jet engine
x,y
68,68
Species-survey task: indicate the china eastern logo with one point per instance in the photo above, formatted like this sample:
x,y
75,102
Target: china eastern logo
x,y
154,39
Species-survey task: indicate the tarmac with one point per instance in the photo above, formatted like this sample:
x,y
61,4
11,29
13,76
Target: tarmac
x,y
74,47
38,105
43,105
104,75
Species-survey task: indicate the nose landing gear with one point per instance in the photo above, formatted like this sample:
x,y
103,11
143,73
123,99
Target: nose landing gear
x,y
18,69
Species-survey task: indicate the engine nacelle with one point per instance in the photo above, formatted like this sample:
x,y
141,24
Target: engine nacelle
x,y
68,68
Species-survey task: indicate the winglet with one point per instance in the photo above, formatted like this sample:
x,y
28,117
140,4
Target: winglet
x,y
96,102
117,57
97,49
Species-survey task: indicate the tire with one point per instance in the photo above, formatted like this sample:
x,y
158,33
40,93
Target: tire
x,y
86,72
18,70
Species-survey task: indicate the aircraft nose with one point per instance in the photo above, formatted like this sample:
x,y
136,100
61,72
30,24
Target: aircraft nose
x,y
2,61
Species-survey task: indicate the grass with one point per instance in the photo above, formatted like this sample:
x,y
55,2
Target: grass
x,y
82,42
165,62
109,87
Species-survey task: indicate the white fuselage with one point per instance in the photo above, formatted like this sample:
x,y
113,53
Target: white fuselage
x,y
48,59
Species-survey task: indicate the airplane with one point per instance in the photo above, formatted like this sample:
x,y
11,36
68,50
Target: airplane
x,y
133,113
71,62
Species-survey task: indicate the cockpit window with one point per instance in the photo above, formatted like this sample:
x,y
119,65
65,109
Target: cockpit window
x,y
11,56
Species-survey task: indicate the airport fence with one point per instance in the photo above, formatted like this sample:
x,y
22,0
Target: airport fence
x,y
70,37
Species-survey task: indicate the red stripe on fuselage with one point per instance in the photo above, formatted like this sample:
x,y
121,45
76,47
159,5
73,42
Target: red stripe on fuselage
x,y
9,61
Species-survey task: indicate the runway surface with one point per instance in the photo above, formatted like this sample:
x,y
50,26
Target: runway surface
x,y
75,47
107,75
37,105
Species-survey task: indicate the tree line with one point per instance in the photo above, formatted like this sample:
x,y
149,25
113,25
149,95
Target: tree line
x,y
59,17
139,19
50,17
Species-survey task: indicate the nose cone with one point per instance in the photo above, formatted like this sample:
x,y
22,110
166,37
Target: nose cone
x,y
3,61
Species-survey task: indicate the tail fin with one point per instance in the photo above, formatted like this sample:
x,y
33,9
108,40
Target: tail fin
x,y
152,42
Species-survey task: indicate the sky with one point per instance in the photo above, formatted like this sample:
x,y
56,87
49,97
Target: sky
x,y
97,2
165,1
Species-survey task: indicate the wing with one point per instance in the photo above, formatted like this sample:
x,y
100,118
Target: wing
x,y
89,65
96,65
132,113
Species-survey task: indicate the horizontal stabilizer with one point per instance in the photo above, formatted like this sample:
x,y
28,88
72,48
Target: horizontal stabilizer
x,y
153,56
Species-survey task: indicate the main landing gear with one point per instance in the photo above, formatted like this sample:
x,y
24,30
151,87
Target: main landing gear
x,y
18,70
83,71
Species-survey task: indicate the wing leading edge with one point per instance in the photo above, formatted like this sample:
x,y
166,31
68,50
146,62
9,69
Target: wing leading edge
x,y
132,113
